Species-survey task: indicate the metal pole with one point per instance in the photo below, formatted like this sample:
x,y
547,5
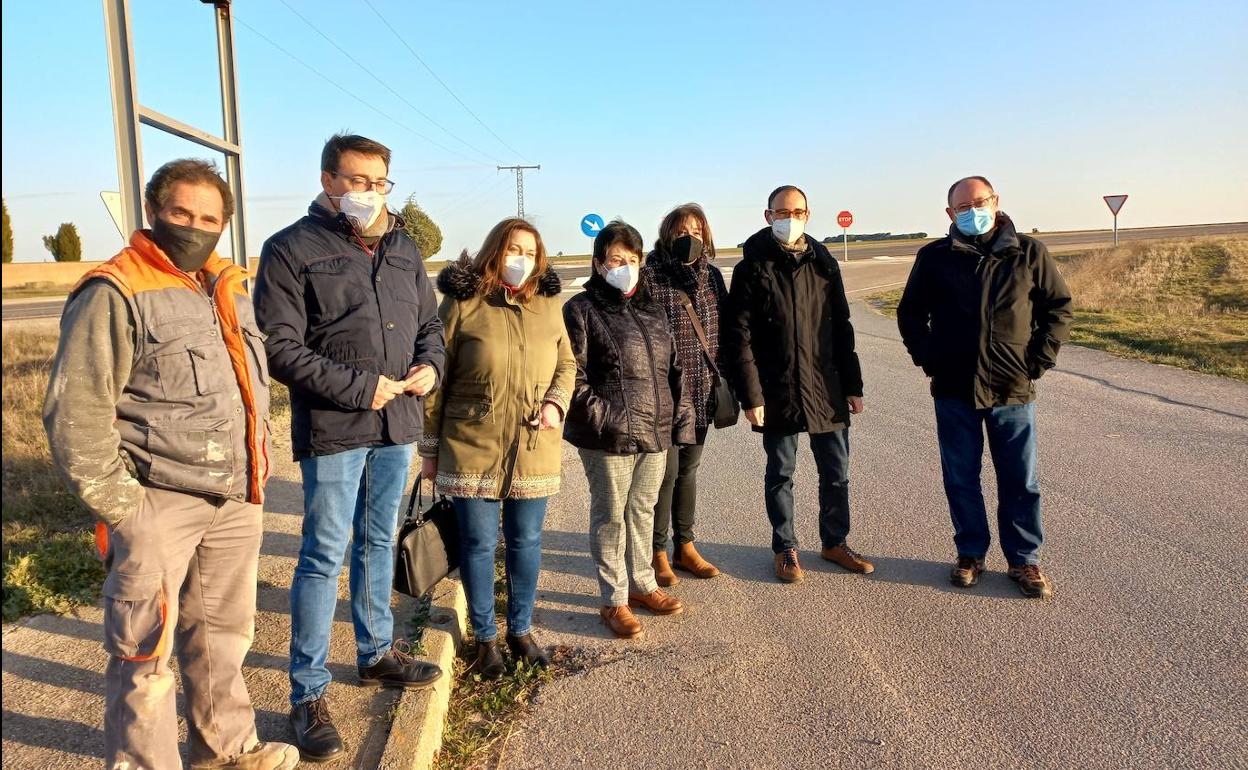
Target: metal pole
x,y
845,239
519,185
232,130
125,113
1115,229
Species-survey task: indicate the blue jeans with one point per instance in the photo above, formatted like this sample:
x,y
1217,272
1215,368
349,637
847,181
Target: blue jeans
x,y
351,496
478,539
1012,442
831,451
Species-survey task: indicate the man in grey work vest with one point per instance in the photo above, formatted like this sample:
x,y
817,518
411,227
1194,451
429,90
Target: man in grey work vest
x,y
155,412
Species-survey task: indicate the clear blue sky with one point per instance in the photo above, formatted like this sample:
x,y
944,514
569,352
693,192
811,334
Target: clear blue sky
x,y
633,108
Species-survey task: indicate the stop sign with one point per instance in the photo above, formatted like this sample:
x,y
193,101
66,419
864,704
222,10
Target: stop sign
x,y
844,219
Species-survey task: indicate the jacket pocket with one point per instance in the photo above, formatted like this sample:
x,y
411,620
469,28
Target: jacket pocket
x,y
133,617
333,286
183,358
469,402
255,343
191,458
405,287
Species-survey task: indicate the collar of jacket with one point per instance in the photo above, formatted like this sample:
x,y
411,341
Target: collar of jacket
x,y
660,260
1004,237
762,246
460,281
611,299
152,255
337,222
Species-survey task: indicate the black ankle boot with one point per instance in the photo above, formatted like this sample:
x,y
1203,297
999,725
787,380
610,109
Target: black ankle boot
x,y
489,660
315,735
524,648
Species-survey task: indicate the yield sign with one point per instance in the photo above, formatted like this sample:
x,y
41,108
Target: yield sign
x,y
1115,203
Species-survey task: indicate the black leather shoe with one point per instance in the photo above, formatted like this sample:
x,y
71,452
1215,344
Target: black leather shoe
x,y
524,648
399,668
489,660
315,735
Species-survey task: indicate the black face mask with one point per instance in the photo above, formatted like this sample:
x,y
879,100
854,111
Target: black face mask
x,y
687,249
187,247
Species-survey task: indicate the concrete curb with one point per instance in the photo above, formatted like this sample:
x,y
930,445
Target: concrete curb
x,y
416,730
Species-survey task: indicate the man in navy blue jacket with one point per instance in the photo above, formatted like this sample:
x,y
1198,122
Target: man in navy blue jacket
x,y
353,331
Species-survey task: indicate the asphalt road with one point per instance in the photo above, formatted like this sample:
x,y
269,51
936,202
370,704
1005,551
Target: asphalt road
x,y
1140,660
1063,241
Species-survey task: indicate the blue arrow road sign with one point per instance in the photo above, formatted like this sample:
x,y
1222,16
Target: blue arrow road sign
x,y
591,225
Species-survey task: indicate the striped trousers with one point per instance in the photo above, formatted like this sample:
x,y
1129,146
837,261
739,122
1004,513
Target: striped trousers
x,y
622,492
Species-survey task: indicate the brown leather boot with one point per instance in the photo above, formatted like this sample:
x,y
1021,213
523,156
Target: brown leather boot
x,y
621,621
657,602
689,560
847,557
787,568
663,570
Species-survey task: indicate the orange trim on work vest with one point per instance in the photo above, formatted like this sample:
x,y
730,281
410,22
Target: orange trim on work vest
x,y
142,266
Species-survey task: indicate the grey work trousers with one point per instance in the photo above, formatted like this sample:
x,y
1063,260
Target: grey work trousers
x,y
188,564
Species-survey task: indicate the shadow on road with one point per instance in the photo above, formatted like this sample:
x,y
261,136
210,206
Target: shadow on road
x,y
60,735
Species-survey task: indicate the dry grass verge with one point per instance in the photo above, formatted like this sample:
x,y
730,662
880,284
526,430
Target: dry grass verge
x,y
49,556
48,553
1183,303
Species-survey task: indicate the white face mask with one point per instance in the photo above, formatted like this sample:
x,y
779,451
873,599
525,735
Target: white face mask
x,y
788,230
623,277
362,208
517,268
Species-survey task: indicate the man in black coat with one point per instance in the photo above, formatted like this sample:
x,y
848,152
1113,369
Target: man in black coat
x,y
789,346
984,313
353,330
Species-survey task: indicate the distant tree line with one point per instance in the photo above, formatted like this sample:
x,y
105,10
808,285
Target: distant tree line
x,y
854,237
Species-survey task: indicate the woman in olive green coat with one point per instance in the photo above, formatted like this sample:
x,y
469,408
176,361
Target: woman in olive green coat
x,y
493,429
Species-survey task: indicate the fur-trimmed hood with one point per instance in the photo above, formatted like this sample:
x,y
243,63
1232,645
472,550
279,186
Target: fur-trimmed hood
x,y
461,281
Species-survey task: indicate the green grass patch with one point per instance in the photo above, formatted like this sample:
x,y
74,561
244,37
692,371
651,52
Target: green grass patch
x,y
482,713
48,552
1214,346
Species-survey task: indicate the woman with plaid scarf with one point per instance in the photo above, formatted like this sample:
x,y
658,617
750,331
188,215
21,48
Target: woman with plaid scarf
x,y
679,270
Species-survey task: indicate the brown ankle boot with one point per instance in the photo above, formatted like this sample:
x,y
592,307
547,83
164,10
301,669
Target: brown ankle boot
x,y
688,559
844,556
787,568
663,570
622,622
657,601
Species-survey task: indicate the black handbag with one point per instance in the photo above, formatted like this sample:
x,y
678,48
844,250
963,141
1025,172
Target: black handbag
x,y
428,547
724,407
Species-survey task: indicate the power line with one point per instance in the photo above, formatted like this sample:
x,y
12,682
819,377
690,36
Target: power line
x,y
346,91
429,69
386,85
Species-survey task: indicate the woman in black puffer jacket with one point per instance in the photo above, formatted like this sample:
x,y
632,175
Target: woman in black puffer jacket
x,y
627,410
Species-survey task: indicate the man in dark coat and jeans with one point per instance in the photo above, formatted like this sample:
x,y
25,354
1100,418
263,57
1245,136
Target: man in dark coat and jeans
x,y
789,346
353,330
984,313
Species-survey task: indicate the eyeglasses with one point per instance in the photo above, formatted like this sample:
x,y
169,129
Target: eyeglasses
x,y
364,184
790,213
978,203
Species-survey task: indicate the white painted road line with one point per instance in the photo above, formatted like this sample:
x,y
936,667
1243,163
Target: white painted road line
x,y
881,286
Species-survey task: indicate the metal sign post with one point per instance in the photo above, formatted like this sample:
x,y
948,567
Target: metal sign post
x,y
128,114
1115,205
845,219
